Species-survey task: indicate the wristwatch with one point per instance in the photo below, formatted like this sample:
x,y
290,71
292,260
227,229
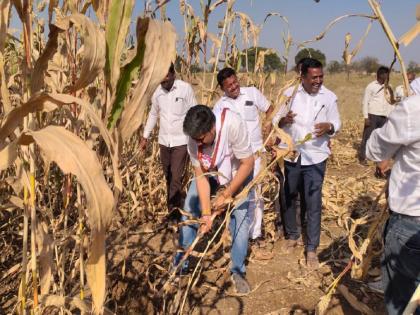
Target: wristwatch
x,y
332,129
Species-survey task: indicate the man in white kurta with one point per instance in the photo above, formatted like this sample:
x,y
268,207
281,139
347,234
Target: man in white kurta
x,y
248,102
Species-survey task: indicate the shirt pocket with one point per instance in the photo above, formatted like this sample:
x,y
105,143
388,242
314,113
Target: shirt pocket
x,y
179,106
250,111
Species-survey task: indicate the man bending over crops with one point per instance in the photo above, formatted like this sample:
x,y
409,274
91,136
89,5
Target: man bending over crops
x,y
170,103
376,108
310,118
399,139
219,143
248,102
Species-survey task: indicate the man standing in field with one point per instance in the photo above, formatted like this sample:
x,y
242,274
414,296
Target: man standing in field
x,y
219,143
375,108
312,111
399,139
399,90
248,102
170,103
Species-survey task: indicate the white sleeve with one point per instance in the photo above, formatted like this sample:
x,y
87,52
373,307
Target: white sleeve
x,y
261,101
366,100
333,116
151,119
190,96
238,137
386,141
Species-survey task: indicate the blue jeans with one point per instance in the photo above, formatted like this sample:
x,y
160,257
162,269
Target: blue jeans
x,y
400,262
239,227
308,178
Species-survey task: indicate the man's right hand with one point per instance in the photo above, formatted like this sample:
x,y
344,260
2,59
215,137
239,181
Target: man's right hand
x,y
206,223
287,120
367,122
143,143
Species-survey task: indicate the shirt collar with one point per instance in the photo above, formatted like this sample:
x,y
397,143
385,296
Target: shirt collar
x,y
163,91
320,92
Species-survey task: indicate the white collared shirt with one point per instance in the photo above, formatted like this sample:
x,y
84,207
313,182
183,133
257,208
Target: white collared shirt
x,y
248,105
399,139
374,100
310,110
415,86
239,146
170,107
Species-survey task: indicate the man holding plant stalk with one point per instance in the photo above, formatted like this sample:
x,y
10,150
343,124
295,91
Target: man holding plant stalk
x,y
248,102
222,159
310,119
170,103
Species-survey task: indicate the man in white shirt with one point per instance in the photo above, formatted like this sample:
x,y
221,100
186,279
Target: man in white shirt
x,y
312,111
219,143
248,102
399,90
375,108
170,103
399,139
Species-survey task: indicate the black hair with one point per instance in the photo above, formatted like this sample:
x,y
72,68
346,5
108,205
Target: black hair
x,y
199,120
300,62
382,70
309,63
224,74
171,68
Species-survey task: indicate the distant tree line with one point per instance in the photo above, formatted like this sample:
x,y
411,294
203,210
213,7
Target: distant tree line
x,y
367,65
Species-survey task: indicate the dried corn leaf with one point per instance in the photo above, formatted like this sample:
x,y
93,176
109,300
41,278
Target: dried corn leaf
x,y
4,23
354,301
93,58
45,250
8,155
65,148
160,52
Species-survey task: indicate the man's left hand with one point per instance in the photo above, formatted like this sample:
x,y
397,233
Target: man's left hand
x,y
322,129
221,200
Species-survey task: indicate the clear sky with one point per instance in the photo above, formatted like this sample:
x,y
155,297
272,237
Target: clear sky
x,y
308,18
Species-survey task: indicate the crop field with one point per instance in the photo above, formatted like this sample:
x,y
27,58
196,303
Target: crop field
x,y
83,215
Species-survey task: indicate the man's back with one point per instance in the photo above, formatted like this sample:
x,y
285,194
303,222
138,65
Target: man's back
x,y
399,139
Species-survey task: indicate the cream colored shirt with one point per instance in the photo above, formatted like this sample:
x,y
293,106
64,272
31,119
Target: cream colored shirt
x,y
374,101
170,107
399,139
248,105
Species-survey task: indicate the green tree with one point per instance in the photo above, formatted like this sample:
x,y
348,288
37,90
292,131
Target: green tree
x,y
413,67
334,66
311,53
369,64
272,61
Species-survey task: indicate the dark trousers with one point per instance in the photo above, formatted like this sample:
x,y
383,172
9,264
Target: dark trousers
x,y
310,178
174,161
280,203
375,122
400,262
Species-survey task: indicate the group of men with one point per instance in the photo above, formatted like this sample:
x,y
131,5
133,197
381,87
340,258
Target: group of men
x,y
224,146
224,143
